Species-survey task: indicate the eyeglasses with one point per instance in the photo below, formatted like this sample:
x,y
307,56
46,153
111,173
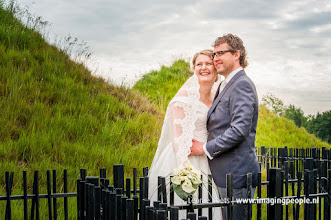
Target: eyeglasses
x,y
220,53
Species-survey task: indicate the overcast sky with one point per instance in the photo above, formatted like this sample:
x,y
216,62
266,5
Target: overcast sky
x,y
288,42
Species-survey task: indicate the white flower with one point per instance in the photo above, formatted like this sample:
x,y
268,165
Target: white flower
x,y
196,172
196,179
185,180
187,186
177,180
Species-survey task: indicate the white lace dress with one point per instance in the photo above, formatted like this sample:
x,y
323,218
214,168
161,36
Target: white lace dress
x,y
167,159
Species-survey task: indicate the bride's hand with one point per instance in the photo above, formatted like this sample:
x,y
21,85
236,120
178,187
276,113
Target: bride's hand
x,y
197,148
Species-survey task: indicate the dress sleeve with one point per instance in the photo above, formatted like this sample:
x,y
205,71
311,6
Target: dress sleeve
x,y
182,119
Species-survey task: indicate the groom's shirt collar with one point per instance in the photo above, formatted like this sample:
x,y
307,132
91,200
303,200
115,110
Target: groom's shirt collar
x,y
232,74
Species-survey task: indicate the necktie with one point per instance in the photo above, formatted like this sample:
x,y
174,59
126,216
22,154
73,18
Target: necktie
x,y
220,88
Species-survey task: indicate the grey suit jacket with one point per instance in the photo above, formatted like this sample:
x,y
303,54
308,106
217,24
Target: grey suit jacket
x,y
231,123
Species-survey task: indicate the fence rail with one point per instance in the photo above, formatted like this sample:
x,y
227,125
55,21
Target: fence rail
x,y
291,175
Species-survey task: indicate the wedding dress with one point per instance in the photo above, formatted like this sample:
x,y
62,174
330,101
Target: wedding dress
x,y
184,121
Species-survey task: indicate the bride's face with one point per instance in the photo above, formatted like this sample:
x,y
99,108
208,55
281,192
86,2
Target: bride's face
x,y
204,69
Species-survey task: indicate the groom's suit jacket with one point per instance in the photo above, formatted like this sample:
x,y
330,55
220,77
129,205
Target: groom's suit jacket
x,y
231,123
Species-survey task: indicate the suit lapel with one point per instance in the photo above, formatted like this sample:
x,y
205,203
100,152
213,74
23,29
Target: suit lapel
x,y
218,98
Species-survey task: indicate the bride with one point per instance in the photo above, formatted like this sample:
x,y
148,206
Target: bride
x,y
184,121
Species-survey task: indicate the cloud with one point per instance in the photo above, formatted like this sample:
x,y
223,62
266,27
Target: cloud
x,y
288,42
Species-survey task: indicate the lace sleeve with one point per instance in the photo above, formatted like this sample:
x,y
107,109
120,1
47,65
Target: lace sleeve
x,y
179,122
182,118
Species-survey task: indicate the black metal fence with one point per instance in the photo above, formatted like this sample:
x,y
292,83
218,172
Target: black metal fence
x,y
296,179
51,196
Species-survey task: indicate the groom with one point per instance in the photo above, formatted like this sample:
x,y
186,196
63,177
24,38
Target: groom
x,y
231,123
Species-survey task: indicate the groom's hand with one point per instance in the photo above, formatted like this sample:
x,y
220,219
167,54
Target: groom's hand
x,y
197,148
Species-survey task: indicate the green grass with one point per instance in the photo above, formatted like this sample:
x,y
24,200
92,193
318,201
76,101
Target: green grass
x,y
161,86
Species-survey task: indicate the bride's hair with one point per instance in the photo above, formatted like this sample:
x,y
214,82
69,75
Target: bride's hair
x,y
206,52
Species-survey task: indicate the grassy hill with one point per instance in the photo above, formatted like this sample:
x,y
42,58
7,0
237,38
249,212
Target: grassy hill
x,y
272,131
56,115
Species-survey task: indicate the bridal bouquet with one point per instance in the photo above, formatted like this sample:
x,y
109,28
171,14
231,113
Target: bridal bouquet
x,y
186,180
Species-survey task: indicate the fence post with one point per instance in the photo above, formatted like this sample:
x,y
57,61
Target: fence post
x,y
326,184
49,193
54,199
65,190
119,206
275,185
118,175
159,188
297,215
229,195
150,213
135,205
141,193
113,214
35,200
309,188
174,213
292,176
280,158
25,194
286,173
128,188
160,215
210,195
249,195
172,193
263,159
129,209
9,182
90,211
191,216
163,189
98,202
164,206
145,203
327,217
134,175
123,207
259,195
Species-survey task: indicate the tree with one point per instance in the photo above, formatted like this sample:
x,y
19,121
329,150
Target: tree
x,y
295,114
320,125
273,103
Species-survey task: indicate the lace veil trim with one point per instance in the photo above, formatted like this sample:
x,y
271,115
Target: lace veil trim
x,y
179,121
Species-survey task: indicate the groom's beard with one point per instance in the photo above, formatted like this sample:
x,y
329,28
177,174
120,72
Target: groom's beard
x,y
226,69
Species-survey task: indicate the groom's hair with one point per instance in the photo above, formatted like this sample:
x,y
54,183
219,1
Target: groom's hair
x,y
235,43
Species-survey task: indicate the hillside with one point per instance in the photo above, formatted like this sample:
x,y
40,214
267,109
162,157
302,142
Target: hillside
x,y
272,131
56,115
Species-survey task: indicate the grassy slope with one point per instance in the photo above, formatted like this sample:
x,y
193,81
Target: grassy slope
x,y
55,115
272,131
160,86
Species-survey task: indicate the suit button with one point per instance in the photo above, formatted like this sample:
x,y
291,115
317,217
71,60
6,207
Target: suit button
x,y
218,152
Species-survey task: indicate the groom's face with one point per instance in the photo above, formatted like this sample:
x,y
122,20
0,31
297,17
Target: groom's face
x,y
224,63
